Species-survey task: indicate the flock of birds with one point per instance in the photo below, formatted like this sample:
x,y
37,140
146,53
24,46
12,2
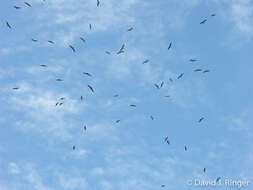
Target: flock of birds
x,y
120,51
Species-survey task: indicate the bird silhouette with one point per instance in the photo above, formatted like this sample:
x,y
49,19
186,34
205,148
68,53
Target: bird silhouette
x,y
203,22
73,49
117,121
15,88
28,4
8,25
197,70
204,170
50,41
218,179
213,15
151,117
132,105
59,80
74,147
185,148
157,86
180,76
43,65
107,52
16,7
98,3
130,29
91,88
146,61
88,74
83,40
170,45
206,71
90,26
34,40
201,119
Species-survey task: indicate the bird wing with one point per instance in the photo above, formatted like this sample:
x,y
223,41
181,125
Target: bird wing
x,y
91,88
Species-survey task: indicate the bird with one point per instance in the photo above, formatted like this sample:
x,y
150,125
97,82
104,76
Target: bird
x,y
170,45
206,71
16,7
162,185
180,76
90,87
146,61
161,85
130,29
204,170
59,80
74,147
98,2
116,95
8,25
157,86
16,88
171,80
152,117
121,49
62,98
117,121
218,179
88,74
201,119
43,65
107,52
203,22
167,96
81,97
119,52
73,49
60,103
50,41
167,140
185,148
28,4
213,14
85,127
34,40
197,70
193,60
90,26
82,39
56,103
132,105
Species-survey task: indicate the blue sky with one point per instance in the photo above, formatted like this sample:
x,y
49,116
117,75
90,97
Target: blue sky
x,y
36,137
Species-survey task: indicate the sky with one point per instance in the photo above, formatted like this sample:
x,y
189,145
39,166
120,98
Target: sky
x,y
37,137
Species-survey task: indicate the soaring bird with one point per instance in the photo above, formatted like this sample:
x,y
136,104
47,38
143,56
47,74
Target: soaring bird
x,y
43,65
120,51
9,26
50,41
170,45
62,98
203,22
16,7
204,170
146,61
151,117
201,119
56,103
122,47
213,14
167,140
59,80
16,88
98,2
185,148
117,121
162,185
157,86
85,127
206,71
28,4
197,70
61,104
218,179
82,39
73,49
180,76
107,52
171,80
81,97
116,95
193,60
132,105
90,87
34,40
167,96
74,147
90,26
130,29
88,74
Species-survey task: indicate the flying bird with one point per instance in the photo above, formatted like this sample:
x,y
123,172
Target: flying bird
x,y
28,4
90,87
132,105
146,61
62,98
157,86
218,179
9,26
43,65
162,185
151,117
185,148
171,80
166,96
16,7
197,70
90,26
16,88
116,95
180,76
167,140
107,52
81,97
119,52
74,147
61,104
121,49
193,60
130,29
82,39
59,80
34,40
201,119
56,103
170,45
85,127
161,85
206,71
51,42
204,170
98,2
117,121
213,14
73,49
88,74
203,22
